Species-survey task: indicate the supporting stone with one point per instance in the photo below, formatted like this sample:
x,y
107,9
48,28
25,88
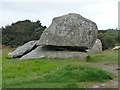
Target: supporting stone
x,y
41,52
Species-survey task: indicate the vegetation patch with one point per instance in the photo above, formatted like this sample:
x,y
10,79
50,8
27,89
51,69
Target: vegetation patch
x,y
72,73
108,56
45,72
21,32
52,73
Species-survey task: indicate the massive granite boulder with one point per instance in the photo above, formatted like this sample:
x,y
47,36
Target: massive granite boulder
x,y
24,49
97,48
46,52
72,30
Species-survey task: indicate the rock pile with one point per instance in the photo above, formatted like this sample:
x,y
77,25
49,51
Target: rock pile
x,y
69,36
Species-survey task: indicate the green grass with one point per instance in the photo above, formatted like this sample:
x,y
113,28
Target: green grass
x,y
77,73
36,72
54,73
108,56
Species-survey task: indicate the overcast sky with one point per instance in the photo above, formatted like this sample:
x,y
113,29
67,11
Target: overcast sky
x,y
103,12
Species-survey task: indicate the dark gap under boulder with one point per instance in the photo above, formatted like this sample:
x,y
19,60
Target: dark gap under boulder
x,y
64,48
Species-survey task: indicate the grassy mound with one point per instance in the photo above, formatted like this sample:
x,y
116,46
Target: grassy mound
x,y
72,73
32,72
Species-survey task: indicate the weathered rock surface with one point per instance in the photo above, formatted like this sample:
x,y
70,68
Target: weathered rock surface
x,y
116,48
97,48
22,50
43,52
70,30
67,37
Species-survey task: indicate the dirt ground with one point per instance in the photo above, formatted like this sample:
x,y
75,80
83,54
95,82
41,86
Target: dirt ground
x,y
113,68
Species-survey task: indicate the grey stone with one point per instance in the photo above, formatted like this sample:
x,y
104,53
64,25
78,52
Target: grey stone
x,y
97,48
116,48
22,50
99,86
42,52
70,30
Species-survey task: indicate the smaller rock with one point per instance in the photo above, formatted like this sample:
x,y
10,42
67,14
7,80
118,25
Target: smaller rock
x,y
37,53
22,50
99,86
97,48
10,55
116,48
102,85
95,86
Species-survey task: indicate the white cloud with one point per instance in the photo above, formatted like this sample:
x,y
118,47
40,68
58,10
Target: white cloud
x,y
103,12
105,15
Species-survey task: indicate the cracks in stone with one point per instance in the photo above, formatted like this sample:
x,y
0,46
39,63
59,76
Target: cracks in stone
x,y
28,51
